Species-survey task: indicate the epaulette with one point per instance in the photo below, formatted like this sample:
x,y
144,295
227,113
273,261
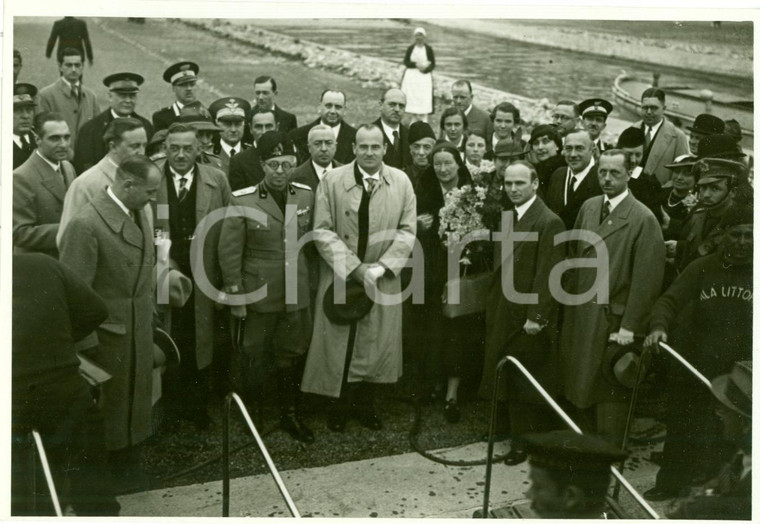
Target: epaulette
x,y
300,185
245,191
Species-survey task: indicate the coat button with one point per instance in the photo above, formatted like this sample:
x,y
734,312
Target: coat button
x,y
345,236
347,213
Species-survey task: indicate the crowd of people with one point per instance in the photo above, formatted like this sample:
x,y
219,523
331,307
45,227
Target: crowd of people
x,y
269,249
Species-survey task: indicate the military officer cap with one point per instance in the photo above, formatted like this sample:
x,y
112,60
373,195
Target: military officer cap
x,y
273,144
158,137
198,117
123,82
631,137
23,95
707,124
595,106
565,450
181,73
719,146
230,108
507,149
709,170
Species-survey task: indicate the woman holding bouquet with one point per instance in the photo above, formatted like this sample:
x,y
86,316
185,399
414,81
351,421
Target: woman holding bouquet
x,y
417,82
451,340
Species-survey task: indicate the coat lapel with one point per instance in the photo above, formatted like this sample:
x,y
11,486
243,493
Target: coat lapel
x,y
50,180
119,222
205,189
617,219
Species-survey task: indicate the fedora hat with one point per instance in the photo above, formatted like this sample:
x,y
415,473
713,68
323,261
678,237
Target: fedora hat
x,y
355,307
620,364
707,124
719,146
180,286
505,149
734,390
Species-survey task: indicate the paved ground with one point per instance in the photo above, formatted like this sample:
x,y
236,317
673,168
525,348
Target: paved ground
x,y
405,485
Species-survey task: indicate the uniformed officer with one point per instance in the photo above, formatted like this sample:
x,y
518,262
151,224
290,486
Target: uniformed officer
x,y
259,254
716,178
23,120
200,118
594,112
183,77
230,114
569,474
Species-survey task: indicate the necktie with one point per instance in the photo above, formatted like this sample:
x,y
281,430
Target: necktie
x,y
75,91
182,188
395,138
26,143
370,185
648,137
570,186
232,152
605,210
324,173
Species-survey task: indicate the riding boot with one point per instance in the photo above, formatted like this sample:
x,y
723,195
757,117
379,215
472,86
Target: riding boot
x,y
288,394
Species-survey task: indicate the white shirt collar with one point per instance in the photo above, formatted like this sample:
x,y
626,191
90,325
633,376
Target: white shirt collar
x,y
54,167
319,170
654,127
365,175
580,176
176,178
118,202
467,111
68,84
17,141
616,200
113,114
227,148
746,464
523,208
636,172
112,162
335,128
389,130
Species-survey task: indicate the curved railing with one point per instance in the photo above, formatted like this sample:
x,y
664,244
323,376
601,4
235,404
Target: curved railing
x,y
557,409
260,443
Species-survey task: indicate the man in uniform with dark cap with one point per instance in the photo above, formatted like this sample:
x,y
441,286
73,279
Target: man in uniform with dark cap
x,y
594,113
706,315
264,253
183,77
569,474
699,233
23,120
122,97
421,142
230,114
704,125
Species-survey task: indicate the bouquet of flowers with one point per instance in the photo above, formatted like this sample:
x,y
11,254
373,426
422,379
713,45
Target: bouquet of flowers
x,y
461,214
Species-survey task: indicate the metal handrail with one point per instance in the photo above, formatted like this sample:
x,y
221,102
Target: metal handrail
x,y
260,443
557,409
46,470
686,364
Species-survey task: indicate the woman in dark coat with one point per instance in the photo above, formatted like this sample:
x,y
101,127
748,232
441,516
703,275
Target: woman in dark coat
x,y
546,153
451,341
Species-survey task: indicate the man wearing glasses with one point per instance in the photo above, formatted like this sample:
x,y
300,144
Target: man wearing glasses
x,y
566,117
256,255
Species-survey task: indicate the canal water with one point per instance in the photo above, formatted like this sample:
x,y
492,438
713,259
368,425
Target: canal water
x,y
525,69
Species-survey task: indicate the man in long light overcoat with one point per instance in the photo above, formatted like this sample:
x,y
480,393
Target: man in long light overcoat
x,y
353,203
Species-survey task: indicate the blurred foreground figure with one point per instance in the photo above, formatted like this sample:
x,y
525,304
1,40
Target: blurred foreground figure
x,y
569,474
52,309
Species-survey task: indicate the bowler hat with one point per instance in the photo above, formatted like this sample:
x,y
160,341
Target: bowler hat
x,y
719,146
506,149
707,124
631,137
620,364
355,306
734,390
165,350
23,95
273,144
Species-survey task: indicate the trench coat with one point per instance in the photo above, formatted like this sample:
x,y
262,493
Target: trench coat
x,y
377,355
57,97
636,250
115,257
213,192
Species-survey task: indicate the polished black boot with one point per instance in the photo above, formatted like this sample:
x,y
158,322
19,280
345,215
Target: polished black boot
x,y
288,394
365,407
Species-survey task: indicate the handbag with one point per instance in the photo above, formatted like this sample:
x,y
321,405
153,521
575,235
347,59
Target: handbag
x,y
472,291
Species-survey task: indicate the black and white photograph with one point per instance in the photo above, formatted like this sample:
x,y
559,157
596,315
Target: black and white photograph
x,y
317,260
